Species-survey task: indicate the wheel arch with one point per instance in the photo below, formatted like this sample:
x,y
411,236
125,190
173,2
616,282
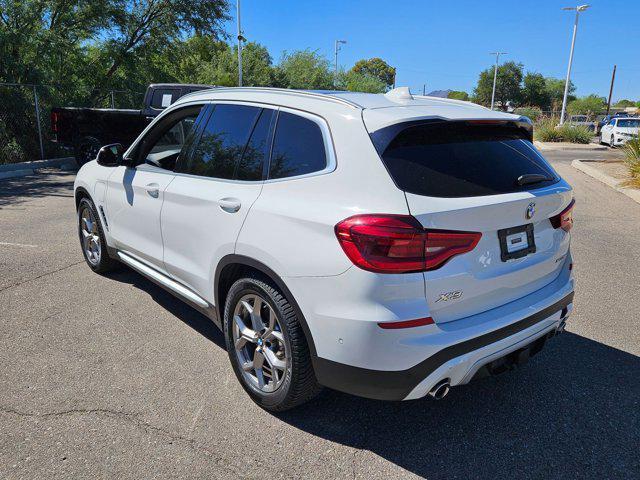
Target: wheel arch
x,y
79,194
232,267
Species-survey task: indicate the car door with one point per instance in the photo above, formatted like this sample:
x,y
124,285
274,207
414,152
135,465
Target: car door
x,y
214,188
135,194
607,130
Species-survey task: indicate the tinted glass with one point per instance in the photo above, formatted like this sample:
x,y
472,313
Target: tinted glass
x,y
255,154
222,141
456,159
162,98
176,136
298,147
169,139
624,123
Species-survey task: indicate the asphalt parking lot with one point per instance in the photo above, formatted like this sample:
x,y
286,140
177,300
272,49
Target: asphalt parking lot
x,y
109,376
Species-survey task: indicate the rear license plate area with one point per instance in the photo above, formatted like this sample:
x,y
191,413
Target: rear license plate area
x,y
516,242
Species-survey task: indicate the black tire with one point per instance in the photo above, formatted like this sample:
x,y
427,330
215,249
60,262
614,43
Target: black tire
x,y
104,263
300,384
612,142
86,150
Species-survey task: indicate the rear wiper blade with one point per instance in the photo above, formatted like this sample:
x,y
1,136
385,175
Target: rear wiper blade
x,y
529,178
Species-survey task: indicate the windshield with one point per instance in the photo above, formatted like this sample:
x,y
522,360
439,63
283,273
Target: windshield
x,y
629,123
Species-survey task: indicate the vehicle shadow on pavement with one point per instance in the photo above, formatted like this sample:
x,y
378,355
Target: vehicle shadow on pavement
x,y
191,317
14,191
572,412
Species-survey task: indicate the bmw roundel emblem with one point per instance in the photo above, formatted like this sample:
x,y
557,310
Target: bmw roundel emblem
x,y
531,211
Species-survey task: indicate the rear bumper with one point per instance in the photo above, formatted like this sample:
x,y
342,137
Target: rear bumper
x,y
457,362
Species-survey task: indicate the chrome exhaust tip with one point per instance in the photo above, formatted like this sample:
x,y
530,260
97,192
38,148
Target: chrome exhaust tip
x,y
440,390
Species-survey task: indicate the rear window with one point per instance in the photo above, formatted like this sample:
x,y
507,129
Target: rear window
x,y
164,97
459,159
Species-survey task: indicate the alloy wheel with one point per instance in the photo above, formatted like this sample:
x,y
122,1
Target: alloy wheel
x,y
90,237
259,343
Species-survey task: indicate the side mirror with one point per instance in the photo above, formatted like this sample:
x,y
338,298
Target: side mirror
x,y
110,155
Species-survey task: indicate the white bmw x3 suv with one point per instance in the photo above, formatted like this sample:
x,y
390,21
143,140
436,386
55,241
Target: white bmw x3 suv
x,y
388,246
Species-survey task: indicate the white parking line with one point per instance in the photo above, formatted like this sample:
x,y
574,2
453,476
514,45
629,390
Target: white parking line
x,y
9,244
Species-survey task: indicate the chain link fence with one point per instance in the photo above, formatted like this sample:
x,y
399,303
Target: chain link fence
x,y
25,120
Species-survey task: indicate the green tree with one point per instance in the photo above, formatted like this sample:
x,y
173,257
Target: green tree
x,y
358,82
138,23
458,95
41,40
508,85
589,105
624,103
534,91
555,88
376,68
222,70
305,69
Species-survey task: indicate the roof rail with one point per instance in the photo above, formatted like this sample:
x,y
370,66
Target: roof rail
x,y
286,91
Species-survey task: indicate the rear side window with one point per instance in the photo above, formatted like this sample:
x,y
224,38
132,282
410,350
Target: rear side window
x,y
298,147
222,141
460,159
256,152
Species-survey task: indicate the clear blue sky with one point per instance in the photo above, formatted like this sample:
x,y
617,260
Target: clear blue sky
x,y
446,43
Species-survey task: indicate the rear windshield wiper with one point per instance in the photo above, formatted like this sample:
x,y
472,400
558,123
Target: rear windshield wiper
x,y
530,178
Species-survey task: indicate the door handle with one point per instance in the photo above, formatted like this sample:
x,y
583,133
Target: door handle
x,y
153,189
229,205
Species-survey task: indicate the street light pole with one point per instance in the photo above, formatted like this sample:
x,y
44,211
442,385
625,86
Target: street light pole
x,y
578,9
240,38
337,49
495,76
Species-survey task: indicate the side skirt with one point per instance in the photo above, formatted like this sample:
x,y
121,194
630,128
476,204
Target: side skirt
x,y
185,294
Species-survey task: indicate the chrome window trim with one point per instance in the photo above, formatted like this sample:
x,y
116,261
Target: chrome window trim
x,y
327,137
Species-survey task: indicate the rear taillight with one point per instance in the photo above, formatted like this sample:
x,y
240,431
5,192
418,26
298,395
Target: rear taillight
x,y
399,244
54,122
564,219
441,245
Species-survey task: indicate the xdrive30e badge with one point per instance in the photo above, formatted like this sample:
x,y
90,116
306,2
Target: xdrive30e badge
x,y
445,297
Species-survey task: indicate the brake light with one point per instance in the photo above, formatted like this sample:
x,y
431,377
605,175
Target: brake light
x,y
54,122
399,244
564,219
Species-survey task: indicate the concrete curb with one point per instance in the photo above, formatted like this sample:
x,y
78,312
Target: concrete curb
x,y
13,170
592,147
614,183
16,173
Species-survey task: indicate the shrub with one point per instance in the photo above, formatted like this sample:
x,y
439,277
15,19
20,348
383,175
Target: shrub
x,y
632,159
12,152
534,113
548,131
575,134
